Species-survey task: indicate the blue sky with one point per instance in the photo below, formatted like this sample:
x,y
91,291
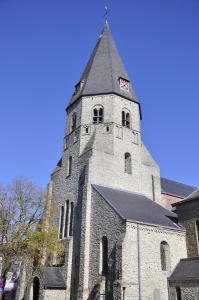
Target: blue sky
x,y
44,46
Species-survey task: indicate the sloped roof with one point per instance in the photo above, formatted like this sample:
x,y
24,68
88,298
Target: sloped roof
x,y
174,188
137,207
193,195
186,270
103,70
53,278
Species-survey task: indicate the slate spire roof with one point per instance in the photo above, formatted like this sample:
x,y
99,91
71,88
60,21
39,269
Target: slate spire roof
x,y
103,70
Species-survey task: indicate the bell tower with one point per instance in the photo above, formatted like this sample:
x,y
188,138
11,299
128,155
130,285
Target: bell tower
x,y
102,145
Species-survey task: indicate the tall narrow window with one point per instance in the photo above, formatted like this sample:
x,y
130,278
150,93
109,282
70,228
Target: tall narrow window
x,y
127,163
178,293
197,231
66,218
165,256
61,222
104,255
98,112
74,121
69,166
71,218
125,119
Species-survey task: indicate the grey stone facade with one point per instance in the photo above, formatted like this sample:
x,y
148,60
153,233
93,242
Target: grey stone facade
x,y
97,152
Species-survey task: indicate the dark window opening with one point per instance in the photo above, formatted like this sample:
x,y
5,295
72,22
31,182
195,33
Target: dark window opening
x,y
69,166
128,166
125,119
61,222
104,255
66,219
197,230
97,115
36,288
107,128
86,129
71,219
178,293
74,121
165,256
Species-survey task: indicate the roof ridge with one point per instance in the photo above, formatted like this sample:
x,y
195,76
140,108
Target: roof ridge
x,y
181,183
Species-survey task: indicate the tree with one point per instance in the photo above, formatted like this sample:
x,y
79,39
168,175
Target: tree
x,y
27,231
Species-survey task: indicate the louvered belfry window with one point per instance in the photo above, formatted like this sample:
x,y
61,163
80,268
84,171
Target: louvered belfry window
x,y
98,114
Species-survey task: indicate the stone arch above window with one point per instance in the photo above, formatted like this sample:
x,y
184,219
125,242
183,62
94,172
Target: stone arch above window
x,y
98,114
165,256
127,163
126,118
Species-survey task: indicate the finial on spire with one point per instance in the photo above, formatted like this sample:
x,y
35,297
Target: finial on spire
x,y
107,11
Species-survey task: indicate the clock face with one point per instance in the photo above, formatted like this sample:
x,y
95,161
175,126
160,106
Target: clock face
x,y
124,84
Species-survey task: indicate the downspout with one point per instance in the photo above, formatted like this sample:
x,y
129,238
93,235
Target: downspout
x,y
138,249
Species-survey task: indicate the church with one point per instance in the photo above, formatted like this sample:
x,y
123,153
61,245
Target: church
x,y
121,242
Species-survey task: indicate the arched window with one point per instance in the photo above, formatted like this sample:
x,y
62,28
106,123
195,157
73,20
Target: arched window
x,y
127,163
125,118
165,256
36,288
104,256
178,293
69,166
74,121
98,113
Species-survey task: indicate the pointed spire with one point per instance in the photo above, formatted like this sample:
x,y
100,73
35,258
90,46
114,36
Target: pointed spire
x,y
104,70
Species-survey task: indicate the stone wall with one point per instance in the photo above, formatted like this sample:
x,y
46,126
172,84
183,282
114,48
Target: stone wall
x,y
109,147
105,222
52,294
188,213
189,291
136,250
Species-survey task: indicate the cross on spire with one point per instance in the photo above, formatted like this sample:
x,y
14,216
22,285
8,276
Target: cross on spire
x,y
107,11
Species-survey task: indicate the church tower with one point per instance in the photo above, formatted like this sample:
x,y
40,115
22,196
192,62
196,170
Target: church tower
x,y
102,146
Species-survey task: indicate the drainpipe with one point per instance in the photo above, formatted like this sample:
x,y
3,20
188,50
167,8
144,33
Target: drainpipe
x,y
138,249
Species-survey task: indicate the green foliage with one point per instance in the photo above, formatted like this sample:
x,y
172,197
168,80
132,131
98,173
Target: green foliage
x,y
26,225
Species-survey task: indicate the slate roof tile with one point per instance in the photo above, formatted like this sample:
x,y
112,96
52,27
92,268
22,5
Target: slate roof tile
x,y
137,207
103,70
